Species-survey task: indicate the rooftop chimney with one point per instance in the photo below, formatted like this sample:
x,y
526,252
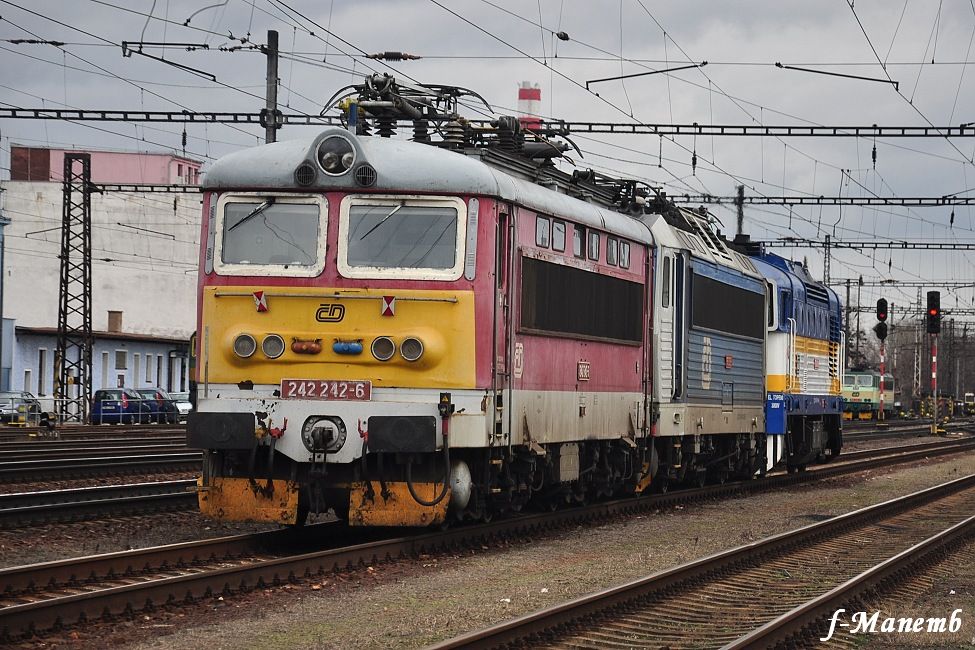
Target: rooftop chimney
x,y
529,105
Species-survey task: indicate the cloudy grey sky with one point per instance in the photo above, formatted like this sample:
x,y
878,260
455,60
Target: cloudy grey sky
x,y
491,46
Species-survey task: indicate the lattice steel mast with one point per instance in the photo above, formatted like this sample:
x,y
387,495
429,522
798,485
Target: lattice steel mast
x,y
72,378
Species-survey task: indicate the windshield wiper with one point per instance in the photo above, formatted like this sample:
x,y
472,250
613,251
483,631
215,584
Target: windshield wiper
x,y
268,202
381,222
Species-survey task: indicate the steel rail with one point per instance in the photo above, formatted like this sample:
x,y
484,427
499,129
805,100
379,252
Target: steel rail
x,y
63,453
42,614
29,508
56,444
63,468
799,620
10,433
549,622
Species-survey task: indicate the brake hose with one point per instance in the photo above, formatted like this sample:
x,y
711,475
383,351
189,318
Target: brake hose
x,y
446,478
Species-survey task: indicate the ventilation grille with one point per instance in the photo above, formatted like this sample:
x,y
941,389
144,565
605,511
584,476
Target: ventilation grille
x,y
305,174
365,175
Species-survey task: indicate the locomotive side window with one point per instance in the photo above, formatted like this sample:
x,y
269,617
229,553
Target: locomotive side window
x,y
612,251
624,255
553,297
594,246
402,237
541,231
558,236
578,236
665,282
283,235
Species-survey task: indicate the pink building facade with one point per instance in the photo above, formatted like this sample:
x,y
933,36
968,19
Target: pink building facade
x,y
45,164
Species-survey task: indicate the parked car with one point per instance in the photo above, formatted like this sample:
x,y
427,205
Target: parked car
x,y
19,407
119,406
184,405
162,407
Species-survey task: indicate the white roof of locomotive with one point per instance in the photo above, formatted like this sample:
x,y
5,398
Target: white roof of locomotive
x,y
411,167
708,248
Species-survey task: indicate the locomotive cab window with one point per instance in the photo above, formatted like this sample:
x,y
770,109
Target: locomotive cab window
x,y
624,255
578,237
594,246
612,251
558,236
541,231
270,234
403,237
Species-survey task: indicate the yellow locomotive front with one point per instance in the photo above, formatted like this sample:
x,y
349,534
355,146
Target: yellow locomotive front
x,y
337,331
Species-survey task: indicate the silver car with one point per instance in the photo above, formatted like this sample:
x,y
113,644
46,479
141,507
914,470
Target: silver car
x,y
183,404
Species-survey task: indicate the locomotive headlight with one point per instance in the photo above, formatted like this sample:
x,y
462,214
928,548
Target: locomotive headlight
x,y
273,346
411,348
244,345
336,155
383,348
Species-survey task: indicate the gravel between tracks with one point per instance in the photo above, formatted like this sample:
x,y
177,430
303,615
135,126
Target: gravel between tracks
x,y
58,541
411,603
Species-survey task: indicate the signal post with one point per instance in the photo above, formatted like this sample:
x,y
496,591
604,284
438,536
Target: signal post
x,y
933,317
881,331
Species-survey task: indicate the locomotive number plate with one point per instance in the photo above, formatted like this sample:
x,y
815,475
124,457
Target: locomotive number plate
x,y
326,389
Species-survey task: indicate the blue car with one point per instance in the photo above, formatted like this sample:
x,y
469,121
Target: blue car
x,y
119,406
162,406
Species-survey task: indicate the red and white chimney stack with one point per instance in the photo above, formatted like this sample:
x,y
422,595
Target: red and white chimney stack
x,y
529,105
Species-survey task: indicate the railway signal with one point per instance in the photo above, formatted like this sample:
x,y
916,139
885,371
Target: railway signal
x,y
880,329
881,311
934,312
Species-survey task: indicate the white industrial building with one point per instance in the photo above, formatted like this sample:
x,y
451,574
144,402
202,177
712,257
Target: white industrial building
x,y
145,252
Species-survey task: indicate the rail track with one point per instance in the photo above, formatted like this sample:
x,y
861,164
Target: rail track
x,y
120,464
81,431
50,506
40,597
758,595
898,430
56,506
57,444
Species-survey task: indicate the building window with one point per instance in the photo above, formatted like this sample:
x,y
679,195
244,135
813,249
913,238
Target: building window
x,y
42,372
179,171
159,365
558,236
578,235
137,369
148,369
541,231
594,246
121,360
104,370
27,384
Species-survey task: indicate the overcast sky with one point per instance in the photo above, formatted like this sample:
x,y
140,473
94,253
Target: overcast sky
x,y
491,46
